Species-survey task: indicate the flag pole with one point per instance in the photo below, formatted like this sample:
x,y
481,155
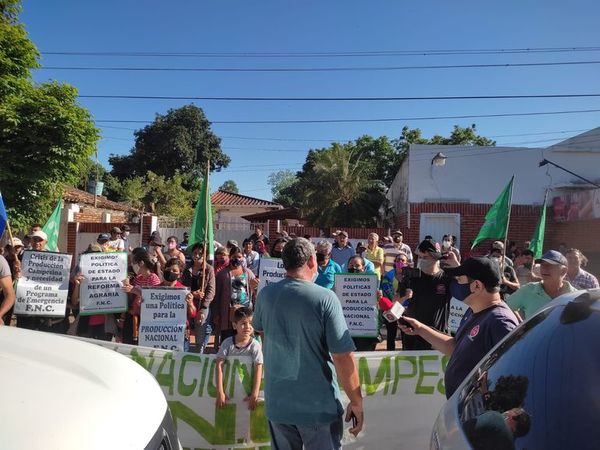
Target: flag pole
x,y
206,206
512,187
10,236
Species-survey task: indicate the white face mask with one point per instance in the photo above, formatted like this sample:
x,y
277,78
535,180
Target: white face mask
x,y
426,264
125,234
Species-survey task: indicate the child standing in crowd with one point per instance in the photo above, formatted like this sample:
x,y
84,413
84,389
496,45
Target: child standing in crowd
x,y
242,344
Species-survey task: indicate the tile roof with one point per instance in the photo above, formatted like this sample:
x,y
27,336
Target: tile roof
x,y
224,198
277,214
74,195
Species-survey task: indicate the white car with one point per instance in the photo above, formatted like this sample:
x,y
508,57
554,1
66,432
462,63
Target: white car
x,y
538,388
62,393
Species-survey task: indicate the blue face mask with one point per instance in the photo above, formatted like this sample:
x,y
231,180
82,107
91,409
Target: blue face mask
x,y
460,291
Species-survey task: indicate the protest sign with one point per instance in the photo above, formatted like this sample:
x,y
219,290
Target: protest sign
x,y
270,271
358,296
101,292
457,311
44,284
403,393
162,318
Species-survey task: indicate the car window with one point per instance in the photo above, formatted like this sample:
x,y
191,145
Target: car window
x,y
539,389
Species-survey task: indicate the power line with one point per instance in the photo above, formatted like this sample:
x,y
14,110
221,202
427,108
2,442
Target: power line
x,y
329,54
390,119
317,69
342,99
250,138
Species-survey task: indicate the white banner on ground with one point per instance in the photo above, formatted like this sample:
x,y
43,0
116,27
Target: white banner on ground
x,y
358,296
163,317
270,270
101,292
457,311
43,287
403,393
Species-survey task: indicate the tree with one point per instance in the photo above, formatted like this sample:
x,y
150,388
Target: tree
x,y
230,186
45,137
279,181
179,141
338,189
155,193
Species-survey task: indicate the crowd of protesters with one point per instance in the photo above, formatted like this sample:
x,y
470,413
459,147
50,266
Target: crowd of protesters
x,y
501,288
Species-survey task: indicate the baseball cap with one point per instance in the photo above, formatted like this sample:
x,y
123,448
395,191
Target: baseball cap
x,y
397,232
16,242
157,239
39,234
103,237
481,269
342,233
552,257
429,245
116,230
126,228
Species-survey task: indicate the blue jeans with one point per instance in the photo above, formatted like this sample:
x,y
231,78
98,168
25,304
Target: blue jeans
x,y
309,437
203,332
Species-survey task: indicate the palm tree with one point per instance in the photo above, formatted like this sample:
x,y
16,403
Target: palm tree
x,y
340,191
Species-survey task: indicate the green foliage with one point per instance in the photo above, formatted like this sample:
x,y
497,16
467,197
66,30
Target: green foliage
x,y
156,193
180,141
279,182
230,186
46,139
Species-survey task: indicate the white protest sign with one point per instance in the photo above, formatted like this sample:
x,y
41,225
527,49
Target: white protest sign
x,y
457,311
44,284
402,391
101,292
358,295
162,318
270,271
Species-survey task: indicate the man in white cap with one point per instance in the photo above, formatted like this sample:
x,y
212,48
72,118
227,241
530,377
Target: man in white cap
x,y
39,239
115,243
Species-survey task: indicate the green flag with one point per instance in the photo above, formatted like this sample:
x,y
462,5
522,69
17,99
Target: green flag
x,y
202,225
52,228
537,241
496,219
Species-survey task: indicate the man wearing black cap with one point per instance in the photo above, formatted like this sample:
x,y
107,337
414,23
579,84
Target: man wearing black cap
x,y
430,301
487,321
534,296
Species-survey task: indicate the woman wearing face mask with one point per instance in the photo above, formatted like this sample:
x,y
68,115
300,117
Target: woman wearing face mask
x,y
172,275
393,287
173,251
221,259
195,276
235,287
146,275
277,248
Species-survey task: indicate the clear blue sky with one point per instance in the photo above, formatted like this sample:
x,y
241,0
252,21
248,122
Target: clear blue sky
x,y
321,26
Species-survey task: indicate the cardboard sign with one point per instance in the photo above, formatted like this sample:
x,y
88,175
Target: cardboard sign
x,y
358,295
101,292
270,271
457,311
43,287
162,318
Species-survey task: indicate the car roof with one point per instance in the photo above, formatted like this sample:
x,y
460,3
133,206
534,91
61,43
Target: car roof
x,y
62,392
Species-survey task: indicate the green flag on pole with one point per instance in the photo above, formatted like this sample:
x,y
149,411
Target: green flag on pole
x,y
202,225
537,241
497,218
52,228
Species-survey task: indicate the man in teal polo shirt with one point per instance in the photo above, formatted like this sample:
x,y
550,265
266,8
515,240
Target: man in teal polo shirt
x,y
308,349
326,267
532,297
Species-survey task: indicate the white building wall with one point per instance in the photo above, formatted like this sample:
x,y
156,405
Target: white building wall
x,y
478,174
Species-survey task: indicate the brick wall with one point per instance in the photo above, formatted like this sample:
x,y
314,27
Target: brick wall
x,y
91,214
72,237
522,223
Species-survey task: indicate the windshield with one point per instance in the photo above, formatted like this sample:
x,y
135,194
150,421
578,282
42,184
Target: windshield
x,y
539,389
